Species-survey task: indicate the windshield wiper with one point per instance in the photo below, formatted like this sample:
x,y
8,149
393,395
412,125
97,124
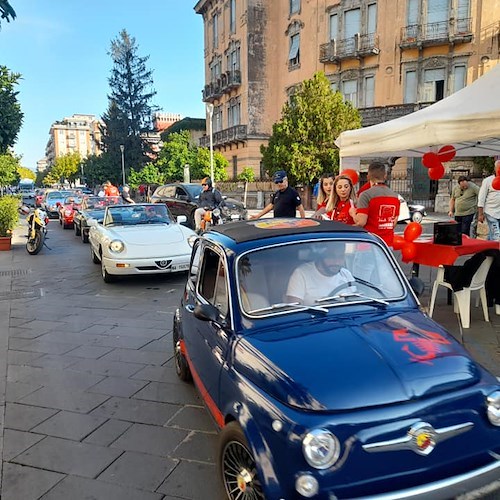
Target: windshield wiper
x,y
348,295
293,305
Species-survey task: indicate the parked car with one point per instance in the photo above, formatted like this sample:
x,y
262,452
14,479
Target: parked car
x,y
355,394
183,199
139,239
92,208
51,200
67,210
410,211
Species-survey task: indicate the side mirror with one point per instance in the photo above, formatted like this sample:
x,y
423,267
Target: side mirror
x,y
181,219
208,312
417,285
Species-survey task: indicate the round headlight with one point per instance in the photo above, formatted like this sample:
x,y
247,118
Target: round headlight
x,y
116,246
307,485
321,448
493,407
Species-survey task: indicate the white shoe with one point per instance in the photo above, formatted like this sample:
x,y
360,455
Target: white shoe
x,y
497,309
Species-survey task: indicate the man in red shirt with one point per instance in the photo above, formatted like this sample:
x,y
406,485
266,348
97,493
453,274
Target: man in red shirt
x,y
110,190
378,207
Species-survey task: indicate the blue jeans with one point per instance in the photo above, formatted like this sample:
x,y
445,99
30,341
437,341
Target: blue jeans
x,y
464,222
494,227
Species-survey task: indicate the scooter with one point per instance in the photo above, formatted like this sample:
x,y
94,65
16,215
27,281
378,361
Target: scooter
x,y
211,218
37,221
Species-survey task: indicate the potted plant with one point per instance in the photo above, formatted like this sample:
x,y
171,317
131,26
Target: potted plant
x,y
9,218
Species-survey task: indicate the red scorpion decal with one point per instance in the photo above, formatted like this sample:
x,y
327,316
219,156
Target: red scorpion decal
x,y
427,343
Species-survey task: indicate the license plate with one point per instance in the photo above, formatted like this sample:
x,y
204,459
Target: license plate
x,y
235,217
180,267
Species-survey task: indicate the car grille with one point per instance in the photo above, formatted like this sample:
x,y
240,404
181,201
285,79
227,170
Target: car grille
x,y
160,264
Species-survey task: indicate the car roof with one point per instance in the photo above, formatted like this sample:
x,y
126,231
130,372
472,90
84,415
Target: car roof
x,y
251,230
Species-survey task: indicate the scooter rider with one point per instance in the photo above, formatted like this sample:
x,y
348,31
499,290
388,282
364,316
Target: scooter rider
x,y
210,198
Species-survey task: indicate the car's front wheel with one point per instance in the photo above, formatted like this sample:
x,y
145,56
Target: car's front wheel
x,y
417,217
181,365
107,278
76,227
93,256
237,465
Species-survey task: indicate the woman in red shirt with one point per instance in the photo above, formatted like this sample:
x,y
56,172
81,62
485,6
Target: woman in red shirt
x,y
325,189
340,206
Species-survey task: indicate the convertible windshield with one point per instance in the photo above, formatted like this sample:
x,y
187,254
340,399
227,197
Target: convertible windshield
x,y
134,215
316,274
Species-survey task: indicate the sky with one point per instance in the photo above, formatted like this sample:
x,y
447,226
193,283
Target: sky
x,y
60,47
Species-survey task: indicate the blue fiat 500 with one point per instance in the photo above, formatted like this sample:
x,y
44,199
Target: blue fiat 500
x,y
311,353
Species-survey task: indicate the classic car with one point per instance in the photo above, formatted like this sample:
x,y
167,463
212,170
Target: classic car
x,y
331,387
92,208
139,239
409,212
183,199
67,210
50,202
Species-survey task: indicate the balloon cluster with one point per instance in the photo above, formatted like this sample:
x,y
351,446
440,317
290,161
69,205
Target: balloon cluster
x,y
405,243
434,161
496,182
352,174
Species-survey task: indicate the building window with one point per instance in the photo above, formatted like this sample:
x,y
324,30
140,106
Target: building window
x,y
412,12
233,112
463,15
233,59
352,23
433,84
459,77
294,54
334,26
232,16
410,87
350,91
217,119
369,92
215,30
372,18
294,6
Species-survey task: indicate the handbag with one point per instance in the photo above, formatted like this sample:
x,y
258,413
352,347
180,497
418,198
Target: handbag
x,y
447,233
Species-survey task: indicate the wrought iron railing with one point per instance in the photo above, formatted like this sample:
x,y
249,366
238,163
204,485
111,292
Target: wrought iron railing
x,y
441,31
238,133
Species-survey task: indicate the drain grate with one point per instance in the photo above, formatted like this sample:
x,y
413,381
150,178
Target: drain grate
x,y
15,272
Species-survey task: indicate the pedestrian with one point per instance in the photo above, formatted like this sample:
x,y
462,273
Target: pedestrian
x,y
210,198
378,207
126,196
110,189
324,190
488,205
463,204
341,205
285,201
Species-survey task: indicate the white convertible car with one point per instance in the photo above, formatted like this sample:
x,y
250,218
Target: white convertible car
x,y
139,239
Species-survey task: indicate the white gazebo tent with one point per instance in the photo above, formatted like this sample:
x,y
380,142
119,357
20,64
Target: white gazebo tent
x,y
468,119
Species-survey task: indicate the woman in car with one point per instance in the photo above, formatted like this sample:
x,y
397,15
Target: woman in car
x,y
341,206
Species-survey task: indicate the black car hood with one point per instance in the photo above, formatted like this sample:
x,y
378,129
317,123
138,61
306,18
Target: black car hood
x,y
347,364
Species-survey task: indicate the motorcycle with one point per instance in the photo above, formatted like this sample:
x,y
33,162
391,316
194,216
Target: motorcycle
x,y
212,217
37,221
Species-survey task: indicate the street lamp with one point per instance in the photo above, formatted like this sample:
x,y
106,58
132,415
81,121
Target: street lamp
x,y
122,149
210,111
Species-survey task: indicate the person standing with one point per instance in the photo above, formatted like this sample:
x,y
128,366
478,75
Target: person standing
x,y
463,203
285,201
126,196
110,189
488,205
341,206
323,194
378,207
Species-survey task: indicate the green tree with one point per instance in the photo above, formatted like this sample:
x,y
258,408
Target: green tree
x,y
65,168
176,152
6,11
99,168
11,117
8,169
201,165
302,142
150,174
26,173
129,111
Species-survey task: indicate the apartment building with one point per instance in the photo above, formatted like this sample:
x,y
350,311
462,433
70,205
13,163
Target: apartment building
x,y
388,57
77,133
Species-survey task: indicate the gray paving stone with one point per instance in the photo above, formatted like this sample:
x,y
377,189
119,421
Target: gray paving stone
x,y
164,373
65,399
24,333
42,325
161,345
79,488
21,357
49,347
118,386
88,351
26,483
69,425
139,470
199,446
23,417
69,457
17,390
180,483
95,330
193,417
19,344
110,431
15,442
150,439
53,361
169,393
107,367
134,356
135,410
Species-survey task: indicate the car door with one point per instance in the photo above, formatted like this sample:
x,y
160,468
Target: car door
x,y
207,342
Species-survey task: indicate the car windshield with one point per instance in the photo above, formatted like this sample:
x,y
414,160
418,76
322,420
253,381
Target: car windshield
x,y
316,274
134,215
194,190
54,195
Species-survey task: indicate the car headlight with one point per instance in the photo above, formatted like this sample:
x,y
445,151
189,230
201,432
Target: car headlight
x,y
116,246
321,448
493,407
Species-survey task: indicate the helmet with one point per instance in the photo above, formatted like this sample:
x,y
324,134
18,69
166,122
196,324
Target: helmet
x,y
207,181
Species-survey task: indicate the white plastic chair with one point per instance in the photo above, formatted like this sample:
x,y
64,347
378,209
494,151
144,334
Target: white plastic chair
x,y
462,298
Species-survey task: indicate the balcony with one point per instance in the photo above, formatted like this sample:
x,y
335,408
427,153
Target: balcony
x,y
230,80
231,135
212,91
380,114
355,47
444,32
223,85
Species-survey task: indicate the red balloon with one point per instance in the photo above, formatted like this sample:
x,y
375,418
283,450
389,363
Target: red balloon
x,y
352,174
412,231
431,160
447,153
436,173
408,251
398,242
496,183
